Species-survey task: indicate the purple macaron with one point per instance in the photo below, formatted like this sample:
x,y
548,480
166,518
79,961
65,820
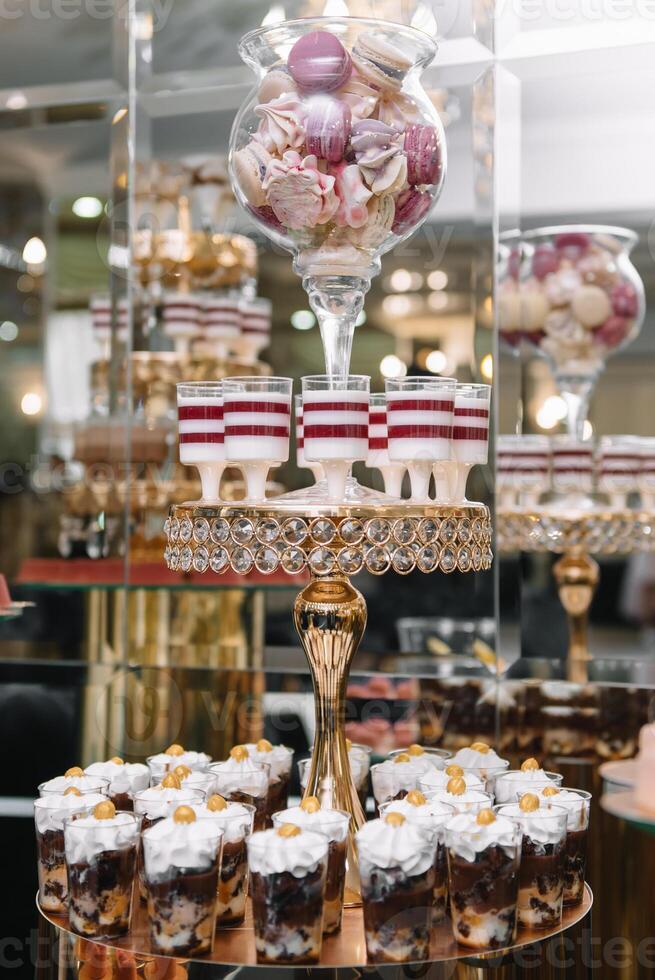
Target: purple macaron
x,y
318,62
411,206
423,155
327,128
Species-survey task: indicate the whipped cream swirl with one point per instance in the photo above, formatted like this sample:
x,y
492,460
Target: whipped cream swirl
x,y
235,820
269,853
470,758
542,826
576,806
409,846
332,823
51,811
169,847
519,781
128,777
160,801
85,784
467,838
194,760
245,776
435,779
87,837
279,758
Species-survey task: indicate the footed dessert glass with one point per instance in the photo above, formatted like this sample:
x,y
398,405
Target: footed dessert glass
x,y
338,154
581,300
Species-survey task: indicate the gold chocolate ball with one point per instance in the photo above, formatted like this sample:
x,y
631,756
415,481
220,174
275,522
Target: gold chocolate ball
x,y
288,830
181,771
171,781
454,770
263,745
485,817
73,771
104,811
415,797
216,802
480,747
311,804
456,786
72,791
116,759
394,819
174,749
529,765
529,803
415,749
184,814
239,753
402,757
550,791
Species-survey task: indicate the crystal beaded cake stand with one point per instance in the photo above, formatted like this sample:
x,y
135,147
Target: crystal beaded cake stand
x,y
333,543
576,536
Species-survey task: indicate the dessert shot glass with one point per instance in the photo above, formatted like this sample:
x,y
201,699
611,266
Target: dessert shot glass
x,y
236,822
101,851
255,317
577,803
182,857
541,878
531,468
303,464
394,778
124,779
242,780
288,867
462,796
432,815
646,474
573,466
419,427
530,778
175,755
470,433
333,824
221,323
181,318
202,432
279,759
49,814
157,803
378,446
257,417
484,854
506,489
397,869
335,422
618,463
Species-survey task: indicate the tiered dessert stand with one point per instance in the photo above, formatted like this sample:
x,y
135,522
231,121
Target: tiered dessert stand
x,y
576,536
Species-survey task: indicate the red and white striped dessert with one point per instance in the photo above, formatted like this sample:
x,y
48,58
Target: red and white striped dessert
x,y
419,423
256,425
181,315
220,318
471,425
646,476
202,432
619,462
335,424
255,319
100,309
573,465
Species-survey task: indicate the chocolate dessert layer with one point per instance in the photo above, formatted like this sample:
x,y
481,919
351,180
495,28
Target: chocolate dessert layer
x,y
123,801
51,848
284,905
53,882
575,861
397,911
100,893
260,804
277,799
335,875
183,904
232,880
440,884
484,885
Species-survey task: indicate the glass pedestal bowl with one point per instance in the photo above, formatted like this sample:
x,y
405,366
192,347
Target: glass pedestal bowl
x,y
338,154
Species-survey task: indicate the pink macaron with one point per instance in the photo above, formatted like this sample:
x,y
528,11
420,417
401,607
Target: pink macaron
x,y
411,207
423,155
318,62
613,332
572,244
624,299
327,128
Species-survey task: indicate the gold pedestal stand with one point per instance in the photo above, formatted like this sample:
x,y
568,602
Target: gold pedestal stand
x,y
333,542
576,536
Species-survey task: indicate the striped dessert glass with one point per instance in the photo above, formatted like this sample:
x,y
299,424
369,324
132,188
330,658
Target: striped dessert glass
x,y
573,467
619,462
316,468
255,315
202,441
220,322
181,318
470,433
257,420
378,446
419,423
335,426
